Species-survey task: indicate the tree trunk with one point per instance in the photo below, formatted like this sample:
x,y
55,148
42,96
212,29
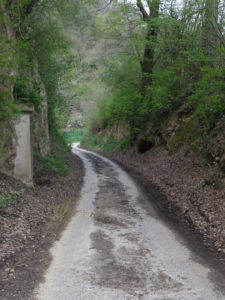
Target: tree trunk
x,y
210,27
152,30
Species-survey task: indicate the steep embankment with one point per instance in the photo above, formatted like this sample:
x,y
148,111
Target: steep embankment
x,y
186,164
193,191
29,225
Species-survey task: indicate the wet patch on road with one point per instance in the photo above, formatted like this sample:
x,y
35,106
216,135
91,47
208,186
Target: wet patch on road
x,y
107,220
127,264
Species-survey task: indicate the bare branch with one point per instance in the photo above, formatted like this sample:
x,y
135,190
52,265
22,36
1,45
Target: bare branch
x,y
105,7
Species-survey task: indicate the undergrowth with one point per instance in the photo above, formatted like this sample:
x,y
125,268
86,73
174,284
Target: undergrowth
x,y
8,198
73,136
57,161
106,144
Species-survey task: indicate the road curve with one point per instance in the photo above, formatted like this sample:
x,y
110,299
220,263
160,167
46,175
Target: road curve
x,y
113,248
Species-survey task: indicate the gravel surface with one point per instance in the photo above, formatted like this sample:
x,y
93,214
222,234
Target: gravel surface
x,y
194,191
30,224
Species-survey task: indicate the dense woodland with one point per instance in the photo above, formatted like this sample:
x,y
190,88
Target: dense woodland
x,y
170,59
143,68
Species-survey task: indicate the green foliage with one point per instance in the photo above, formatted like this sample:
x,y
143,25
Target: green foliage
x,y
124,144
25,94
208,96
8,109
188,69
55,164
106,144
160,97
73,136
56,161
123,74
54,59
8,198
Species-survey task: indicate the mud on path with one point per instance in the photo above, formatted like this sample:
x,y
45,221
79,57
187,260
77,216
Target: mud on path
x,y
30,225
116,246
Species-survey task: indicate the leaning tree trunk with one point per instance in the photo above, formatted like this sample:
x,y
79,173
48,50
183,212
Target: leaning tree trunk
x,y
152,31
210,27
151,20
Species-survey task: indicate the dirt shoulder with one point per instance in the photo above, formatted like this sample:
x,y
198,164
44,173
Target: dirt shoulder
x,y
190,191
31,223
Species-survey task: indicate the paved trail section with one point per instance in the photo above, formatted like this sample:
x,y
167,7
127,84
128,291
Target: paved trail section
x,y
117,248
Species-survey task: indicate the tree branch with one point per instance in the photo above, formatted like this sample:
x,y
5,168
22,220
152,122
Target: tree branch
x,y
105,7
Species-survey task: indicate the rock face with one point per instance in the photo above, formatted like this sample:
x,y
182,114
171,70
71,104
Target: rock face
x,y
40,128
119,131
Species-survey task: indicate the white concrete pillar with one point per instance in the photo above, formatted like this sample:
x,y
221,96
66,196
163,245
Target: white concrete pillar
x,y
23,167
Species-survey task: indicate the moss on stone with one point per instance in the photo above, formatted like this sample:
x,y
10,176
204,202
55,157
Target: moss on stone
x,y
7,149
188,133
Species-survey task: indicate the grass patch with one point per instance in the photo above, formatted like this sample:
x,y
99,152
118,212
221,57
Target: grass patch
x,y
57,161
8,198
58,165
105,144
73,136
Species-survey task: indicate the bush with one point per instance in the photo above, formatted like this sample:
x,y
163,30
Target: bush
x,y
25,94
208,98
73,136
57,161
106,144
8,198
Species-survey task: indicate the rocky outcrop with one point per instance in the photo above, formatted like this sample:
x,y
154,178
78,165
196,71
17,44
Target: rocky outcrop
x,y
40,128
180,129
118,131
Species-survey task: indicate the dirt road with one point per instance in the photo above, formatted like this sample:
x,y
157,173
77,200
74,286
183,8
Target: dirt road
x,y
117,247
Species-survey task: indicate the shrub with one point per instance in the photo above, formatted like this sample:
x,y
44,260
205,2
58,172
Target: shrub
x,y
208,98
8,198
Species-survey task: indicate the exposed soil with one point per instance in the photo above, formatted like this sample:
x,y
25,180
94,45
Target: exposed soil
x,y
193,191
30,224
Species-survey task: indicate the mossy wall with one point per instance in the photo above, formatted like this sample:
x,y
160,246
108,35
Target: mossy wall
x,y
9,101
7,147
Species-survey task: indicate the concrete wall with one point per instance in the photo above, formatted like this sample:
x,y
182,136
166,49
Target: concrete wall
x,y
23,166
